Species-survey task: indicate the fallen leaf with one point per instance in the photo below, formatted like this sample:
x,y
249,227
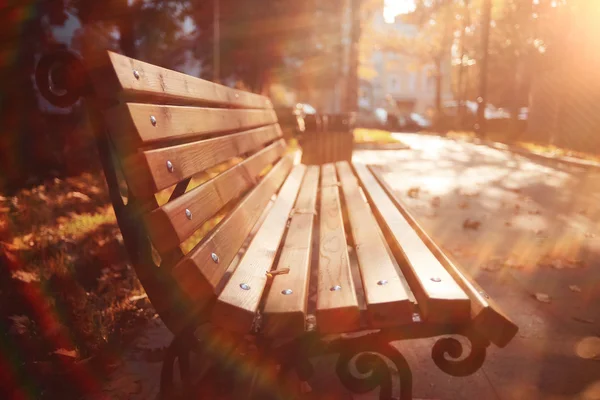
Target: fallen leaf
x,y
435,202
471,224
140,297
21,324
575,288
541,233
78,195
413,192
588,348
66,353
542,297
584,320
25,276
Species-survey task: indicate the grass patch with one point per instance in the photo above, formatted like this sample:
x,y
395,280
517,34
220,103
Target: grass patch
x,y
374,136
66,286
538,148
553,151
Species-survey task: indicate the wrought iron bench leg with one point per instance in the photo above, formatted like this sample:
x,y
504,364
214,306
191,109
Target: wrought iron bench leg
x,y
370,356
179,350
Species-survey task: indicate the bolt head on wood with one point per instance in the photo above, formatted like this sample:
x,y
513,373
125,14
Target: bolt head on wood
x,y
170,167
382,282
245,286
215,258
436,279
153,120
335,288
287,291
136,74
188,213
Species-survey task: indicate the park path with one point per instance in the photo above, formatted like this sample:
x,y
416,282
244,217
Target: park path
x,y
523,230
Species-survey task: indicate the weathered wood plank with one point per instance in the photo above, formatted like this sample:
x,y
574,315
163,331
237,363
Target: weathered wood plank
x,y
147,171
439,297
236,307
284,313
114,75
132,125
337,304
387,300
199,272
169,225
487,317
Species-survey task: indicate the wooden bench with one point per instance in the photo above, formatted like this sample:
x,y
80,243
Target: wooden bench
x,y
306,259
326,138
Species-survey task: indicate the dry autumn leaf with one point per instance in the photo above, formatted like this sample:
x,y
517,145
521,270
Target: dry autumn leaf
x,y
413,192
589,348
66,353
542,297
575,288
471,224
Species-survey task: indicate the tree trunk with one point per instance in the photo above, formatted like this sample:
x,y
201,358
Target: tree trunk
x,y
485,40
352,91
461,70
126,23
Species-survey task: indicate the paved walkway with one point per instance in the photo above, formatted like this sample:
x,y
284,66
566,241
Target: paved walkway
x,y
537,233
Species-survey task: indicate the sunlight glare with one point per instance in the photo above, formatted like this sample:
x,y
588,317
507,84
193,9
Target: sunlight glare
x,y
392,8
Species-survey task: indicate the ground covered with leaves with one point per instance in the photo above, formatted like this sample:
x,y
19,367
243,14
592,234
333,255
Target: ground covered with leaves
x,y
68,297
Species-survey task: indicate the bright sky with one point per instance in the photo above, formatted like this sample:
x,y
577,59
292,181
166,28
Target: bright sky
x,y
392,8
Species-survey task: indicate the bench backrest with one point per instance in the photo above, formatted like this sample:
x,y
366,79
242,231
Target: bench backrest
x,y
190,150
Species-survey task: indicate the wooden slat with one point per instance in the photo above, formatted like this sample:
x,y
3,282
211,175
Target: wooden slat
x,y
388,302
113,75
168,226
197,273
285,314
130,124
147,172
337,310
439,297
487,317
236,308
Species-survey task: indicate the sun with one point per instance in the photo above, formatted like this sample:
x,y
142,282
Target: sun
x,y
392,8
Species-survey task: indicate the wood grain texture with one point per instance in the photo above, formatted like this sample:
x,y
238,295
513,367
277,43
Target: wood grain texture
x,y
168,226
113,76
284,315
337,310
147,172
387,300
197,273
487,317
130,124
439,296
236,308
